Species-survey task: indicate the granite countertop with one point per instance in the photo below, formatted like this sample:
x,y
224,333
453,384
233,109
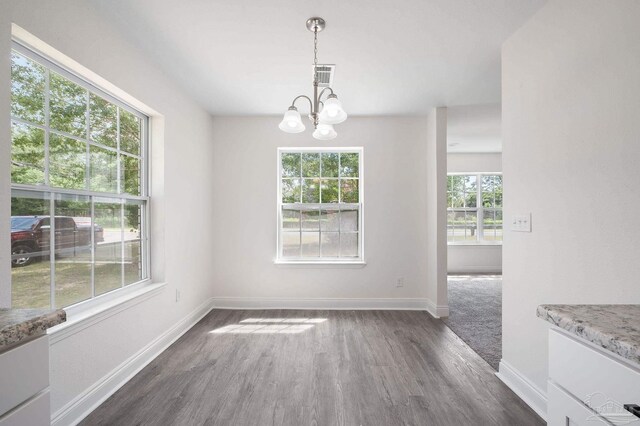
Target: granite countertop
x,y
615,328
17,325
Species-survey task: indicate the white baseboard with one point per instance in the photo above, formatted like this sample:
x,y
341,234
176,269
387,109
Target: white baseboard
x,y
531,394
81,406
475,270
410,304
437,311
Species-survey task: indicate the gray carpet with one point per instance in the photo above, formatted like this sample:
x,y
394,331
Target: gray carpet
x,y
475,314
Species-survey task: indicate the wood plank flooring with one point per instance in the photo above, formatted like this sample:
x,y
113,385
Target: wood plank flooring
x,y
316,368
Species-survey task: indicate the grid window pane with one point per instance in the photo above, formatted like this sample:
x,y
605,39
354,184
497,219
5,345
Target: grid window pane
x,y
349,164
349,245
67,162
291,165
103,170
321,197
290,219
133,243
349,191
108,246
330,220
130,175
330,244
291,244
28,87
310,165
130,132
310,190
330,191
348,220
310,244
86,143
72,249
103,119
330,161
30,265
310,220
291,190
68,106
27,154
474,208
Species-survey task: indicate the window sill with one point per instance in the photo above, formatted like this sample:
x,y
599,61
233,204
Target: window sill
x,y
92,311
320,263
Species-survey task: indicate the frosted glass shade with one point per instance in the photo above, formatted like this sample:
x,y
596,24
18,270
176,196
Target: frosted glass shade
x,y
324,132
291,122
332,112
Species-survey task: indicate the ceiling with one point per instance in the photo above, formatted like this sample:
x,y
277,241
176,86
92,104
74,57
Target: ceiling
x,y
475,128
251,57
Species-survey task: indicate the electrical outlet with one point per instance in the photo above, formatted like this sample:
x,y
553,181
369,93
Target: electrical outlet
x,y
521,223
400,282
177,295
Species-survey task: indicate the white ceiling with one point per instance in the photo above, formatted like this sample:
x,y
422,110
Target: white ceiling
x,y
475,128
394,57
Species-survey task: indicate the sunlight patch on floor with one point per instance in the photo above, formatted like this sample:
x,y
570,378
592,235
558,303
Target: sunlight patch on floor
x,y
269,326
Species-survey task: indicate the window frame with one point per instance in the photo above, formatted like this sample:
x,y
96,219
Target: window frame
x,y
360,259
52,193
478,210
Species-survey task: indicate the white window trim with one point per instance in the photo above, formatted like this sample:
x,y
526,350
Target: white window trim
x,y
32,48
479,210
321,262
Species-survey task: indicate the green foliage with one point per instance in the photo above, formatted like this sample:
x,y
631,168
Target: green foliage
x,y
291,190
291,164
28,83
103,119
68,159
67,162
311,190
329,191
67,106
349,191
311,164
27,154
349,164
330,164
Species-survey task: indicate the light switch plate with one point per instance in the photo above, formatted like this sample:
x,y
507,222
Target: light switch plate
x,y
521,223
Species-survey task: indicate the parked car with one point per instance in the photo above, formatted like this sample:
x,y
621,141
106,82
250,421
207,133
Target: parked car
x,y
30,236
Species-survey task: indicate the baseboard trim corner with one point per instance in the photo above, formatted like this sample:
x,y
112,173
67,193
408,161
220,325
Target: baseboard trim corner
x,y
409,304
82,405
531,394
437,311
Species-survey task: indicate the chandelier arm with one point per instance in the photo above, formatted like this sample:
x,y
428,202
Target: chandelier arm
x,y
307,98
323,90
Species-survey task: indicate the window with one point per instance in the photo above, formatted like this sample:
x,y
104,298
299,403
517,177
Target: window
x,y
474,208
320,205
77,155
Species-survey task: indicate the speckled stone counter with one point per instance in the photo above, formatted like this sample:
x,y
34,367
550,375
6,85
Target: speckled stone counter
x,y
18,325
615,328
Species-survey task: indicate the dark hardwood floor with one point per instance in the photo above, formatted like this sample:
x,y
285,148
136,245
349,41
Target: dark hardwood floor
x,y
316,368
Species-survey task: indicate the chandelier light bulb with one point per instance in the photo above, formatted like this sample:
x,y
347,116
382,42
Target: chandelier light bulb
x,y
332,112
291,122
325,132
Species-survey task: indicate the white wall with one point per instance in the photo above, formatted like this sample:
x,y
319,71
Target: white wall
x,y
571,102
245,177
436,187
464,259
183,174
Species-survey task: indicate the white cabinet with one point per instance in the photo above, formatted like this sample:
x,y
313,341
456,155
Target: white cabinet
x,y
589,385
24,384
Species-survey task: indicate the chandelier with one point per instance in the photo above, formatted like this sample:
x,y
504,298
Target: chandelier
x,y
323,114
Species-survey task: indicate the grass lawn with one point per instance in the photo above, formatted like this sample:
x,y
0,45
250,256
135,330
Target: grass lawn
x,y
30,285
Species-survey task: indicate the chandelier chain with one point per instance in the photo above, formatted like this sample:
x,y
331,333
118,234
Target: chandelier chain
x,y
315,55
